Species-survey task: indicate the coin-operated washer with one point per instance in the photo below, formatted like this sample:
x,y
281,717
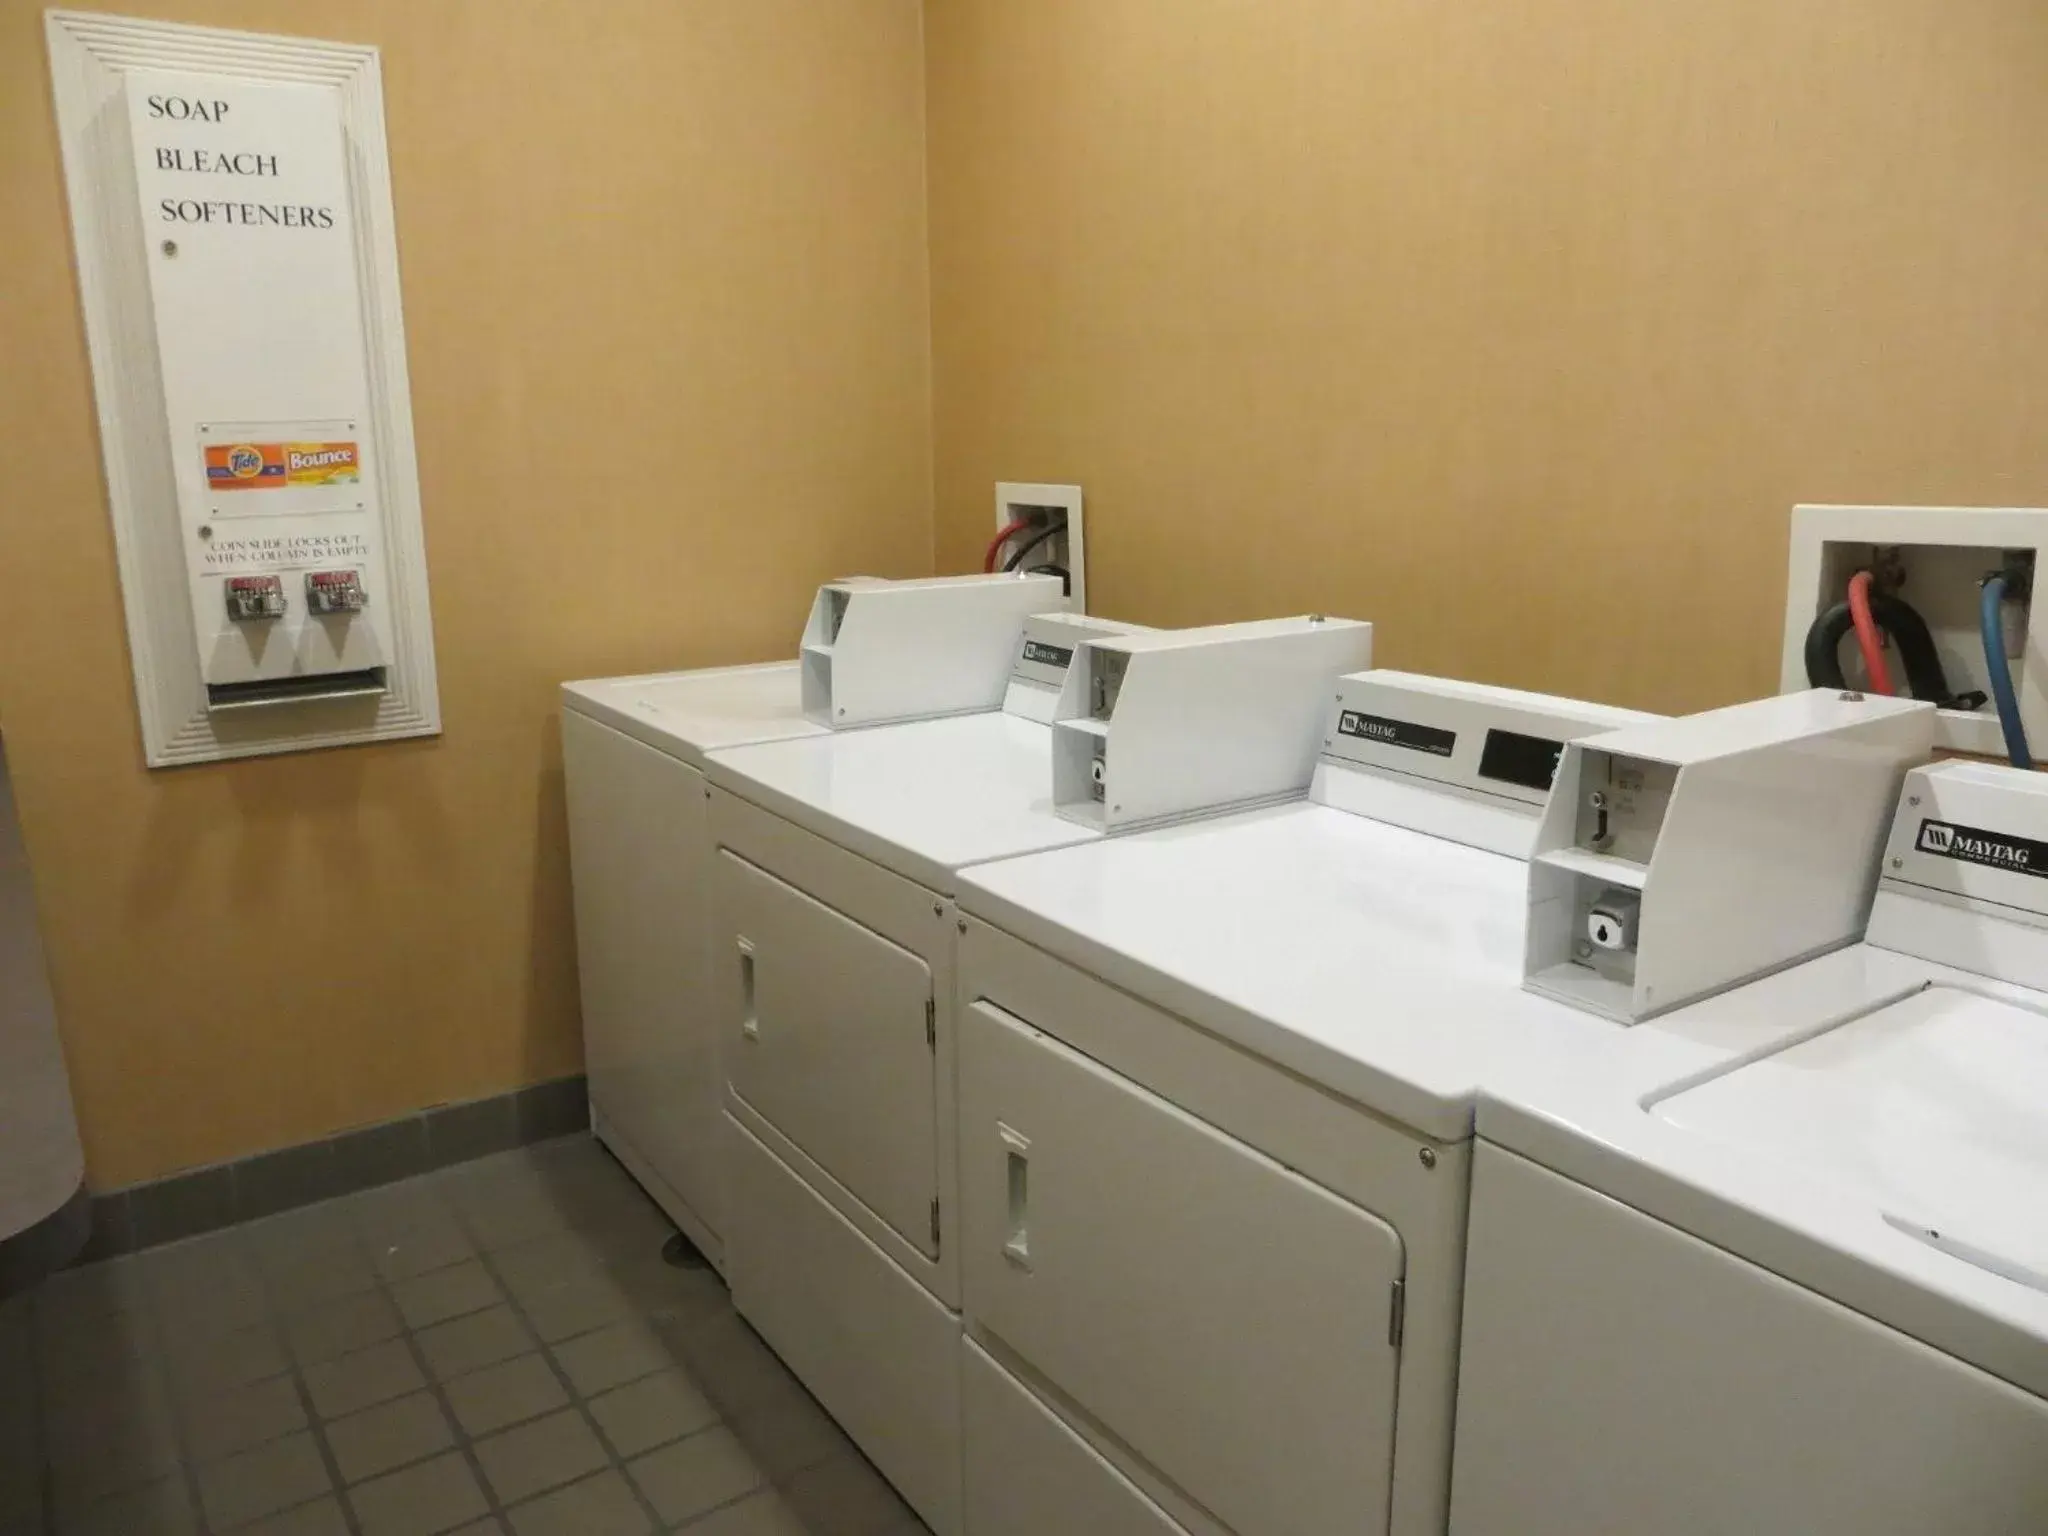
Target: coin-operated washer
x,y
640,846
1778,1261
1216,1091
839,858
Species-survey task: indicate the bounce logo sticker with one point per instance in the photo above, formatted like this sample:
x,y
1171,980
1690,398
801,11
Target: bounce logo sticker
x,y
273,466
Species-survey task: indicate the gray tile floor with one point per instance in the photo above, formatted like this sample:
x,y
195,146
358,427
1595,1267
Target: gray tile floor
x,y
494,1348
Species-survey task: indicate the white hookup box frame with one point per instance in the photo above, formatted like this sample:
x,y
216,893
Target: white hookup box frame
x,y
1156,726
1468,762
1068,548
237,259
881,651
1044,656
1943,552
1682,858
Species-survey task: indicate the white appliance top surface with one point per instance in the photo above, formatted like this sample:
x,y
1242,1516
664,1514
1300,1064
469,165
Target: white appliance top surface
x,y
1382,964
1869,1125
690,713
922,799
1935,1105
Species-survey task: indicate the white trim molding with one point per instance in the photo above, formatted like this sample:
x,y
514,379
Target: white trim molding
x,y
89,55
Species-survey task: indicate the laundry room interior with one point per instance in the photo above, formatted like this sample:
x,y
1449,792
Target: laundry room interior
x,y
992,767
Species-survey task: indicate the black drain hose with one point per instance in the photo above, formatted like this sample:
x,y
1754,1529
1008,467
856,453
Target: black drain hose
x,y
1899,619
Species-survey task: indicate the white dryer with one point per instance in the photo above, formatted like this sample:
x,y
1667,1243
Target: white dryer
x,y
1216,1094
640,842
1777,1261
640,854
839,858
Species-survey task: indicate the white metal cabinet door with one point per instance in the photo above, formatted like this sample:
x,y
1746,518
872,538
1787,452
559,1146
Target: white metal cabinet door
x,y
639,857
834,1045
1030,1475
1218,1313
1619,1376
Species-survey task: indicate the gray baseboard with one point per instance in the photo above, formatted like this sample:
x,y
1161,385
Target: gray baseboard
x,y
30,1255
204,1199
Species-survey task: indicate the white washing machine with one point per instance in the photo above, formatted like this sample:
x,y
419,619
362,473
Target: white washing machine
x,y
1216,1090
1778,1261
640,853
839,858
640,846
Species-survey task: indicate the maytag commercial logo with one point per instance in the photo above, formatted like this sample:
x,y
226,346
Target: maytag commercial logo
x,y
1975,845
1047,655
1406,734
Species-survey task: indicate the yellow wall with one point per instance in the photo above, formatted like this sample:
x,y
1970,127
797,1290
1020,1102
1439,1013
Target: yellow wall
x,y
664,267
1516,327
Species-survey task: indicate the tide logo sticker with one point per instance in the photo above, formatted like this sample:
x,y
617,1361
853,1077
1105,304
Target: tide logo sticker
x,y
274,466
244,466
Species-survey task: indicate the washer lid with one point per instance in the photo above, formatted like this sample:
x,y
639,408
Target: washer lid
x,y
687,714
923,798
1933,1106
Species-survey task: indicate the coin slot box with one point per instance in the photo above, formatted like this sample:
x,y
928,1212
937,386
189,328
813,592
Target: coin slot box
x,y
330,592
875,652
250,598
1679,858
1200,719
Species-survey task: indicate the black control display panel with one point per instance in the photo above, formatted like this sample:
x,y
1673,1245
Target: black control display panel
x,y
1509,757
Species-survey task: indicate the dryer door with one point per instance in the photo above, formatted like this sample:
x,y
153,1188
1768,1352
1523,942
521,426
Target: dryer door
x,y
833,1046
1222,1316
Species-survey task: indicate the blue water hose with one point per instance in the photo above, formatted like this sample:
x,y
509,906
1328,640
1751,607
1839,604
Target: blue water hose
x,y
1990,602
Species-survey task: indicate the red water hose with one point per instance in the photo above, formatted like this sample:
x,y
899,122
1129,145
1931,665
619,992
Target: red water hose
x,y
1868,637
995,550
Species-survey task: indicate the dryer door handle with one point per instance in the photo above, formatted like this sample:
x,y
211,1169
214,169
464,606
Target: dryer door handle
x,y
750,1011
1017,1170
